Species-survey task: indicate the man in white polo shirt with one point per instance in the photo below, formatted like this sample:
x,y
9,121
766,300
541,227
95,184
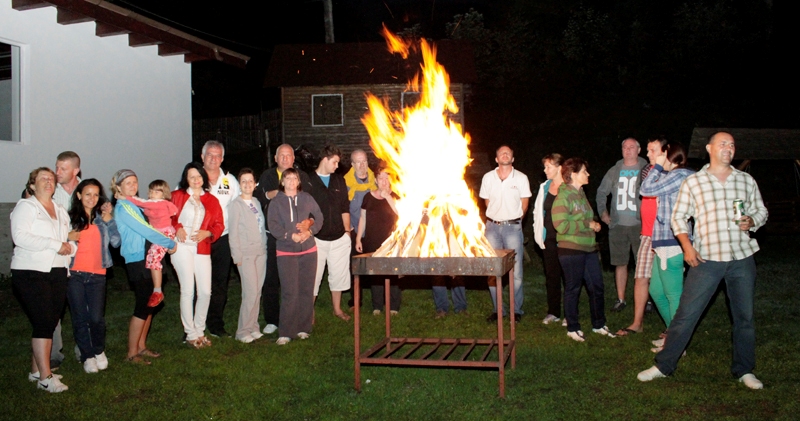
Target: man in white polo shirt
x,y
506,192
225,188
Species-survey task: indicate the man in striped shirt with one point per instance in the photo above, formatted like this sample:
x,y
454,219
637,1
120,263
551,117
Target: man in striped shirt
x,y
722,249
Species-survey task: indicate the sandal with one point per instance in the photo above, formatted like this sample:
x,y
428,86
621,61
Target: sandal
x,y
149,353
137,359
344,316
195,343
627,331
204,341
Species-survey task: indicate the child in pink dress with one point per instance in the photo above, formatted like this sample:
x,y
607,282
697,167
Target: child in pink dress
x,y
158,210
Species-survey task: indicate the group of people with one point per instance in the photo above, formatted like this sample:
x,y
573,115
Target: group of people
x,y
63,229
655,206
284,230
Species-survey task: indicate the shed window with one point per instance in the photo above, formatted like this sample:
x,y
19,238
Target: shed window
x,y
9,92
327,110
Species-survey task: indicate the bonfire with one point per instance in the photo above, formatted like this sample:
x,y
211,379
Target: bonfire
x,y
426,154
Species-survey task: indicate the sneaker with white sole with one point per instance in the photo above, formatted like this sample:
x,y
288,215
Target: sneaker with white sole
x,y
90,365
576,336
751,381
658,342
651,373
619,305
52,384
102,361
34,377
550,319
246,339
270,329
283,340
604,331
257,335
564,322
376,312
302,335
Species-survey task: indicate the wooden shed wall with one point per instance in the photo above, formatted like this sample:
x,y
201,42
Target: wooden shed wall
x,y
296,105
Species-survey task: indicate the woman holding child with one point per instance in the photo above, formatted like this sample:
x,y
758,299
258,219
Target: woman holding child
x,y
134,231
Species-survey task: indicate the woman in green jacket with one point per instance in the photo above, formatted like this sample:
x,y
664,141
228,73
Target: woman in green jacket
x,y
573,219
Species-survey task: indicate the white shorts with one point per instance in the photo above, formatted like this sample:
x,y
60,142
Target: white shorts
x,y
337,255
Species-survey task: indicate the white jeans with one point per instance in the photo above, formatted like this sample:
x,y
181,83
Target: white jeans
x,y
193,270
337,254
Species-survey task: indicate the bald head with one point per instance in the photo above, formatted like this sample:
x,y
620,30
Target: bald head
x,y
284,157
358,158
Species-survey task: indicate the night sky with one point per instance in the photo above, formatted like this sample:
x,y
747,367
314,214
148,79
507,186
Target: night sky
x,y
552,72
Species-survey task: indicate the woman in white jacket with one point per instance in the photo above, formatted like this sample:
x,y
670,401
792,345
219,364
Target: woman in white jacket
x,y
248,239
545,235
39,228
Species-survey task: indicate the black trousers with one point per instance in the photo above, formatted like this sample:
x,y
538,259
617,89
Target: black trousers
x,y
220,276
271,291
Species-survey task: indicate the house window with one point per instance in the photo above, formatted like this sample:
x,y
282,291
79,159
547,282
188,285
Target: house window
x,y
327,110
409,99
9,92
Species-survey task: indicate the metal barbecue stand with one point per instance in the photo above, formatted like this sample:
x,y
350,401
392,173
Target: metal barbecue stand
x,y
398,351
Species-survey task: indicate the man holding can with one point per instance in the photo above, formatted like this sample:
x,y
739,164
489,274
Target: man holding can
x,y
722,249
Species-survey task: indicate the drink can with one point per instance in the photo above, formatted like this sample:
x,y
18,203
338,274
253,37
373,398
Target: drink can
x,y
738,210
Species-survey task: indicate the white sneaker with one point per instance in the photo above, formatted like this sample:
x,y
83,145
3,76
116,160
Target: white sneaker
x,y
376,312
302,335
564,322
283,340
90,365
751,381
34,377
102,361
576,336
257,335
604,331
658,342
270,329
550,319
651,373
52,384
247,339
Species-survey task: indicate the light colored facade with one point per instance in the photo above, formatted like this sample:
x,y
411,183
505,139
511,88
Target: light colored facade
x,y
116,106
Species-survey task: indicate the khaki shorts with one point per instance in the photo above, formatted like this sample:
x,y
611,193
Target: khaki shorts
x,y
645,257
622,241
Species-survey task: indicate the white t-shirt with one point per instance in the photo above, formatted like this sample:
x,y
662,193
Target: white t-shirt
x,y
226,189
505,196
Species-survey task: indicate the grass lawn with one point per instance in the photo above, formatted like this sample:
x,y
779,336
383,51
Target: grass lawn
x,y
555,378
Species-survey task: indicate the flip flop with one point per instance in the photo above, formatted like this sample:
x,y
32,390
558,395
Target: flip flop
x,y
148,353
627,331
342,316
137,359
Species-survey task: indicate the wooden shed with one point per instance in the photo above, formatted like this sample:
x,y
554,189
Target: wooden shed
x,y
772,157
324,86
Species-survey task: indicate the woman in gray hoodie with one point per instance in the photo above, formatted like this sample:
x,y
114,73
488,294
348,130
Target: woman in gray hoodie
x,y
293,219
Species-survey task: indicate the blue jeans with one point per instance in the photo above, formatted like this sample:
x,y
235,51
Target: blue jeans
x,y
458,292
700,286
86,293
579,268
508,237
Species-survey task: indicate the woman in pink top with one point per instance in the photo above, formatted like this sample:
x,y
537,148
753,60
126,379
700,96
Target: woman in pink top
x,y
159,211
94,230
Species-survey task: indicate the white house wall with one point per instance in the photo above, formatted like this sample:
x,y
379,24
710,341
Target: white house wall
x,y
116,106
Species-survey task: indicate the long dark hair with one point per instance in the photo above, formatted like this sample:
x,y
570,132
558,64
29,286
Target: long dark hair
x,y
184,183
77,215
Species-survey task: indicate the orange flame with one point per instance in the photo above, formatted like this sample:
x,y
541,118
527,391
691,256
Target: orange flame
x,y
426,154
